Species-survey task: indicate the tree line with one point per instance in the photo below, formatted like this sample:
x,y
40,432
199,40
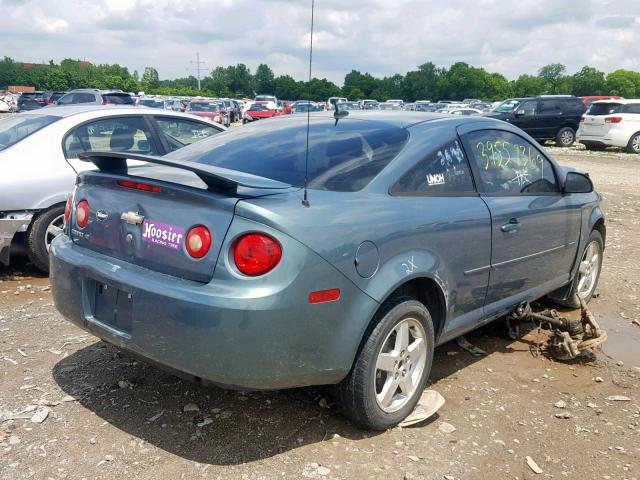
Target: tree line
x,y
427,82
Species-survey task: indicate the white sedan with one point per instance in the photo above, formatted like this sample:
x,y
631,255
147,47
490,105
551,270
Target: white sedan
x,y
39,157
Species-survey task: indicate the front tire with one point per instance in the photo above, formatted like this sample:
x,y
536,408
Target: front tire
x,y
634,144
586,279
565,137
41,233
392,368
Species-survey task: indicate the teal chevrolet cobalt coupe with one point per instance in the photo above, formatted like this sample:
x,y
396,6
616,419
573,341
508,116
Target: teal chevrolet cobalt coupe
x,y
272,256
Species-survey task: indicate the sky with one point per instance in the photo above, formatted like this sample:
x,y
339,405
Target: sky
x,y
381,37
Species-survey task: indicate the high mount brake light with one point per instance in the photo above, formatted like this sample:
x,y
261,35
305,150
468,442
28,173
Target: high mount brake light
x,y
139,186
198,241
82,213
256,254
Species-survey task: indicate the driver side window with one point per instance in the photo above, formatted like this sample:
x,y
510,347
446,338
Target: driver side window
x,y
510,165
527,109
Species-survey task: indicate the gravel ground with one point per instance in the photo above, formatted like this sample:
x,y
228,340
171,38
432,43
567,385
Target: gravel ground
x,y
73,407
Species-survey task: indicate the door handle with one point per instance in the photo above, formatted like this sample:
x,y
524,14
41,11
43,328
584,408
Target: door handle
x,y
511,226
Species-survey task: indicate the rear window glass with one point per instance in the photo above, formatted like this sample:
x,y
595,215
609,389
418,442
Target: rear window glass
x,y
18,127
605,108
118,98
342,157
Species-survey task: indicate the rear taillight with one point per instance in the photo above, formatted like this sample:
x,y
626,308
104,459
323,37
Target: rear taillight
x,y
199,241
613,119
583,118
256,254
82,213
67,210
139,186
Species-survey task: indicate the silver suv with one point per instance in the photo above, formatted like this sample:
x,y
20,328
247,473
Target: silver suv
x,y
96,97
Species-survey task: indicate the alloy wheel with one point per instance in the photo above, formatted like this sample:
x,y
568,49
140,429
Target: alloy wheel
x,y
53,230
588,270
400,365
635,144
566,137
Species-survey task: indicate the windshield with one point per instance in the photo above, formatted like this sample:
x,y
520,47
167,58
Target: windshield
x,y
507,106
18,127
342,157
257,107
604,108
204,107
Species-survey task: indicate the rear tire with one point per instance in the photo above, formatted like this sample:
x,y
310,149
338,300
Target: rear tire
x,y
634,144
565,137
41,232
390,373
586,279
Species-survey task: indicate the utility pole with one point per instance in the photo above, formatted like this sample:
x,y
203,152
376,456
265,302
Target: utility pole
x,y
197,64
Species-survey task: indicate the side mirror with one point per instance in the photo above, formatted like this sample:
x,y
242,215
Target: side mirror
x,y
576,182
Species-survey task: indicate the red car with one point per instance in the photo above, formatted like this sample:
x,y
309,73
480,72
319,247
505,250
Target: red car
x,y
260,110
208,110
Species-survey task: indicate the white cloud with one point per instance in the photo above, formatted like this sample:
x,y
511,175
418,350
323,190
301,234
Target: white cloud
x,y
379,36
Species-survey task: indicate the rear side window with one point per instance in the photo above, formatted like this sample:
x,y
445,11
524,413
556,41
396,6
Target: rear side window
x,y
548,107
83,98
444,171
125,134
605,108
510,165
18,127
631,108
179,132
342,157
117,98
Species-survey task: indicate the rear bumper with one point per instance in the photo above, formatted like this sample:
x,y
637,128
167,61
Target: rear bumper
x,y
256,338
612,138
8,228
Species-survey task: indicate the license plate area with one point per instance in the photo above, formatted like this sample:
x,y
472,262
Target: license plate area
x,y
110,305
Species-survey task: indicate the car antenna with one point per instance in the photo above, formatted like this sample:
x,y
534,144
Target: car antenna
x,y
305,200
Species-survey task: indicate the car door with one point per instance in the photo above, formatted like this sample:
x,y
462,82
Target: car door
x,y
129,133
549,117
451,220
177,132
534,228
525,117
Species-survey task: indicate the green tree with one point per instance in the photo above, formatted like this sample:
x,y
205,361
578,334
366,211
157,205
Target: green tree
x,y
552,75
625,83
588,81
264,80
528,86
150,78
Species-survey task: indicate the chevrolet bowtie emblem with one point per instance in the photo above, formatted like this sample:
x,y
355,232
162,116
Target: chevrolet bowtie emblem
x,y
132,218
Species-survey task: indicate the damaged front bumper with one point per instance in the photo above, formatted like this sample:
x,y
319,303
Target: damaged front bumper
x,y
11,224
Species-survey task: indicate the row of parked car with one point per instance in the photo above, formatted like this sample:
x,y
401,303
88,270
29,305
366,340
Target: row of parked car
x,y
597,122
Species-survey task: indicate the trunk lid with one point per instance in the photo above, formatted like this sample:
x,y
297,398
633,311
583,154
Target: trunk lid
x,y
149,228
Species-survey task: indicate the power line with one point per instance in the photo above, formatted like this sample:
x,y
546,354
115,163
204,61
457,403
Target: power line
x,y
197,64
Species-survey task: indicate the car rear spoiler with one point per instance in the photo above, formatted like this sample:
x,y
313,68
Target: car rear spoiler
x,y
216,178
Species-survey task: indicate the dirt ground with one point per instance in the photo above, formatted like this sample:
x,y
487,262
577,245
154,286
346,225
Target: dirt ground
x,y
72,407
